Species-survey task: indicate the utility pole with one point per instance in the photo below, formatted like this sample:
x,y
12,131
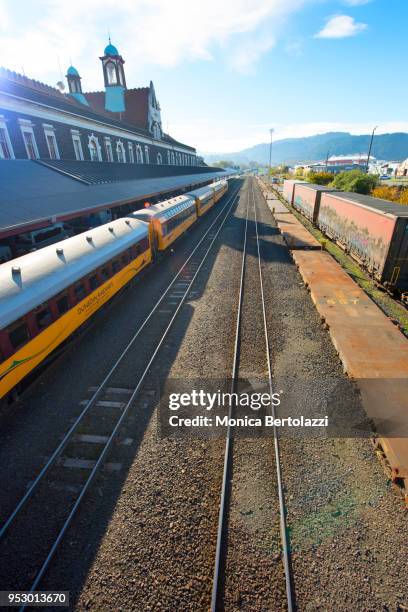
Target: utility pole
x,y
270,155
369,150
327,158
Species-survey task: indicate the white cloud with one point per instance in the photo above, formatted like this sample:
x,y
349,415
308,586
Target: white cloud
x,y
4,16
356,2
147,32
341,26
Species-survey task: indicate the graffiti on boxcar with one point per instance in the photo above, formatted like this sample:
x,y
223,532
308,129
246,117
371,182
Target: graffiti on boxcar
x,y
370,249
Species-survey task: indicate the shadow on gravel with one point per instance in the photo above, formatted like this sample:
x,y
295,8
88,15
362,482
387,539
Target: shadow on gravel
x,y
77,552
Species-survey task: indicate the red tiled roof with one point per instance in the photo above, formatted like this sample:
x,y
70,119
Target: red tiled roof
x,y
96,100
136,104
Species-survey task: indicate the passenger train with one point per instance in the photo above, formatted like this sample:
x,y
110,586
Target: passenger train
x,y
45,296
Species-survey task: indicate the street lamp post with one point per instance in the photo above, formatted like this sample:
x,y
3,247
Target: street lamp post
x,y
270,155
369,150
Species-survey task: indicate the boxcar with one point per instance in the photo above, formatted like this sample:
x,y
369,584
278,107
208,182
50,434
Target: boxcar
x,y
306,199
374,231
289,188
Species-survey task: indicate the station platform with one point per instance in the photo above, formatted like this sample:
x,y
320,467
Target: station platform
x,y
276,206
372,349
294,233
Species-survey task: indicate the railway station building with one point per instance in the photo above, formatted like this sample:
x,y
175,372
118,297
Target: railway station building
x,y
67,153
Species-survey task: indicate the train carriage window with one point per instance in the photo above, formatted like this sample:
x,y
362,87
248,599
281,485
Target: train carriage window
x,y
93,282
105,273
19,335
43,318
62,304
79,291
124,259
115,266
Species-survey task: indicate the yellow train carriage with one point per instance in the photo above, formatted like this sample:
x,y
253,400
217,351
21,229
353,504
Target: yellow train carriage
x,y
220,188
46,295
169,219
205,199
209,195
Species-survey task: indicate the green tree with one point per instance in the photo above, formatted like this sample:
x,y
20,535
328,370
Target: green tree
x,y
320,178
356,181
223,163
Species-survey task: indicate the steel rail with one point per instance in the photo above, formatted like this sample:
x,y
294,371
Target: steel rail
x,y
282,507
226,469
126,409
67,437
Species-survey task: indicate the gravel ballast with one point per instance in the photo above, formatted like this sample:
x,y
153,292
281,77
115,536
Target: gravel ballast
x,y
144,539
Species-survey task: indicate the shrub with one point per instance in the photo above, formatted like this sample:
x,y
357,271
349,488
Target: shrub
x,y
393,194
320,178
356,181
403,199
386,192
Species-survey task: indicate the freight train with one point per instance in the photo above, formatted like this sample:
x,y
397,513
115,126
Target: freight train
x,y
371,230
47,295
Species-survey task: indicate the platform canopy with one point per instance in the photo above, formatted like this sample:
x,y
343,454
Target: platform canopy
x,y
35,194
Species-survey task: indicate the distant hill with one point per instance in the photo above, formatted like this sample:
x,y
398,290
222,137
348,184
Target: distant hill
x,y
390,147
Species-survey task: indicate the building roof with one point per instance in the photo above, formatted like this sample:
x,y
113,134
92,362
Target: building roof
x,y
136,104
93,173
36,195
22,87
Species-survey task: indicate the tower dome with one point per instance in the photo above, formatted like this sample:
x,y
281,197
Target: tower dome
x,y
72,71
111,50
74,85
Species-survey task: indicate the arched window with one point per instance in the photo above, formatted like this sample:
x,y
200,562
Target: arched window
x,y
111,73
139,154
131,153
147,154
159,158
120,152
94,148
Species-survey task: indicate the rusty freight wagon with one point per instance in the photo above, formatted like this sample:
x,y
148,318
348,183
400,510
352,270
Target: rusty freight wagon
x,y
288,189
373,231
306,199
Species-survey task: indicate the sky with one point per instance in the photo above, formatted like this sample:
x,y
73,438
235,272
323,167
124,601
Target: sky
x,y
226,71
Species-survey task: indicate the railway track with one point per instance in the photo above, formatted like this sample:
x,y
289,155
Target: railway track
x,y
239,367
84,449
